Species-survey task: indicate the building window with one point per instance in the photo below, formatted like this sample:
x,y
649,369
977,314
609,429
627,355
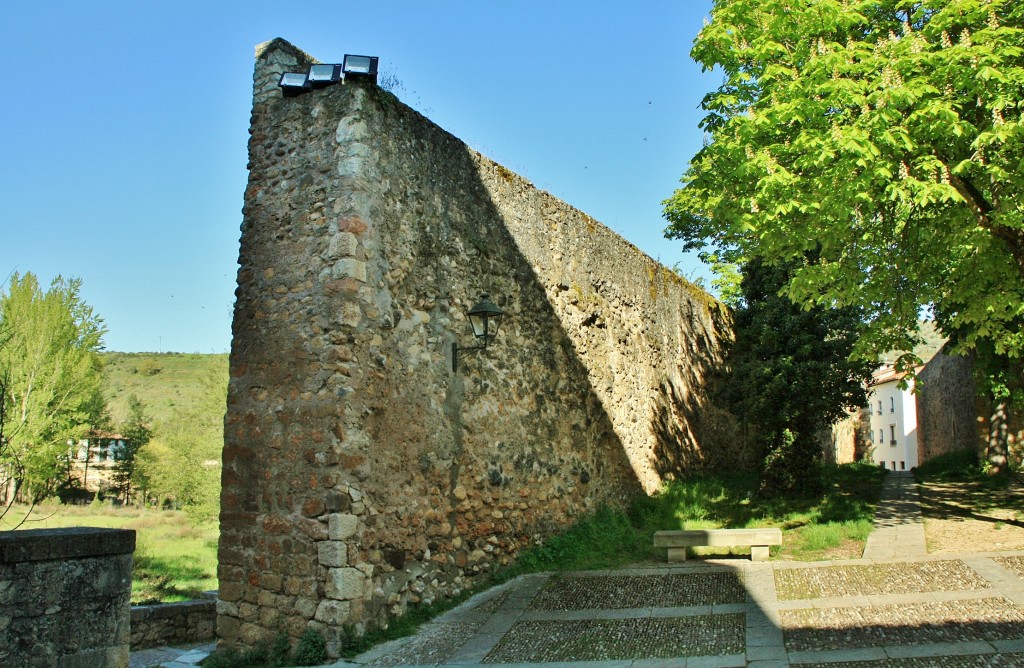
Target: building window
x,y
879,406
881,436
903,466
893,465
892,434
892,404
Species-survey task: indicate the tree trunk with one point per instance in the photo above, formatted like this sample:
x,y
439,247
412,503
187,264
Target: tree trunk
x,y
997,446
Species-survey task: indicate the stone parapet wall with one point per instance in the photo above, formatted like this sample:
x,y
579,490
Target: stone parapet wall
x,y
361,474
169,624
65,596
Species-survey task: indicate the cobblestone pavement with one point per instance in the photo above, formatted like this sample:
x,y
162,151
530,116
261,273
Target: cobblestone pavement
x,y
898,609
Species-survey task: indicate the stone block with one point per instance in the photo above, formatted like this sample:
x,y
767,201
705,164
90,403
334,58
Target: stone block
x,y
350,314
342,526
332,553
349,268
332,612
342,244
345,584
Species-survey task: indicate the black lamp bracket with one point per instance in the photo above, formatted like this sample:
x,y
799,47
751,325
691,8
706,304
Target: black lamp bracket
x,y
456,349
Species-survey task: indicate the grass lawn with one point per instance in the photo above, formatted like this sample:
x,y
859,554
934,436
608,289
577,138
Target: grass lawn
x,y
173,560
833,526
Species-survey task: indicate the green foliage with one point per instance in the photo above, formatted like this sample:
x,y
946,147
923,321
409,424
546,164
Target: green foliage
x,y
136,433
50,374
814,525
885,134
182,460
603,539
790,375
162,393
311,650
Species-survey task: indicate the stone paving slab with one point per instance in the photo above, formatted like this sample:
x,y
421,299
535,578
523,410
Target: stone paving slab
x,y
874,579
881,626
618,639
643,591
1014,564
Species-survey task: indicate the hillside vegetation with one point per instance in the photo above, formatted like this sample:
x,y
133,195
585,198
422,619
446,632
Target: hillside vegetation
x,y
164,382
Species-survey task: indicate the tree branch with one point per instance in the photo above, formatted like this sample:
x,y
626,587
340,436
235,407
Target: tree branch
x,y
982,208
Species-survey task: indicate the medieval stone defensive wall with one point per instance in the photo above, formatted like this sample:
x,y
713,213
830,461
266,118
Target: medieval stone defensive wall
x,y
361,473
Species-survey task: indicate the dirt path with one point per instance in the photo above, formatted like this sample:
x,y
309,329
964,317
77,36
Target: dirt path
x,y
968,516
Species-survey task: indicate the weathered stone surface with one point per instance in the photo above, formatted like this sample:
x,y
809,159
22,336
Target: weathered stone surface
x,y
172,624
342,526
368,234
333,612
332,553
53,579
345,584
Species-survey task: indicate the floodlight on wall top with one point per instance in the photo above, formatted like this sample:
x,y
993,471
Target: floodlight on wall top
x,y
293,83
360,67
485,318
321,75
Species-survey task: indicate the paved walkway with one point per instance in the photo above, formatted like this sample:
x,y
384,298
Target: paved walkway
x,y
899,528
896,607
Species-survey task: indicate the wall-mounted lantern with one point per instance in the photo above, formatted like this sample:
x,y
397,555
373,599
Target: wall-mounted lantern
x,y
485,318
360,67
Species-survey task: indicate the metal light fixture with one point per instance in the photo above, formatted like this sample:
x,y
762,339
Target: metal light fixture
x,y
360,67
293,83
321,75
485,318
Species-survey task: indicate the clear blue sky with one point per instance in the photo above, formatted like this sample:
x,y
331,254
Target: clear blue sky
x,y
123,128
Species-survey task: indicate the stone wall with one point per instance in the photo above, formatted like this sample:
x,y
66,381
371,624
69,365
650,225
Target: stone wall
x,y
64,597
361,474
946,412
169,624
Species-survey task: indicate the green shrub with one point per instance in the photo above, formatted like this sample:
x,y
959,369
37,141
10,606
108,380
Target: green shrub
x,y
311,650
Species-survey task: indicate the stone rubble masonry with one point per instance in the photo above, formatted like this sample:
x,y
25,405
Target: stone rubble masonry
x,y
170,624
65,596
361,474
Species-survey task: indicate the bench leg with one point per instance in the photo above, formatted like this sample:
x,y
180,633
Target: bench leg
x,y
677,554
759,553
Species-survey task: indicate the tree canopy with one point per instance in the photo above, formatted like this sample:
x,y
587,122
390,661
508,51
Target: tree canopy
x,y
884,135
790,375
50,375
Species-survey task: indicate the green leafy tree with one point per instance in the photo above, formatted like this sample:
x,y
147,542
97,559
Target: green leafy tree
x,y
182,460
790,375
50,374
884,134
136,432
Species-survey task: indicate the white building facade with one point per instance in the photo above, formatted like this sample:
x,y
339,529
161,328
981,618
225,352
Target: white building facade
x,y
893,421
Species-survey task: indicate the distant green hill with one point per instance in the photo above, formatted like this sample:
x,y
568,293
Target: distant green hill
x,y
163,382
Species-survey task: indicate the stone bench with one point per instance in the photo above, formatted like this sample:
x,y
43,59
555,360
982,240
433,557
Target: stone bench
x,y
758,539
